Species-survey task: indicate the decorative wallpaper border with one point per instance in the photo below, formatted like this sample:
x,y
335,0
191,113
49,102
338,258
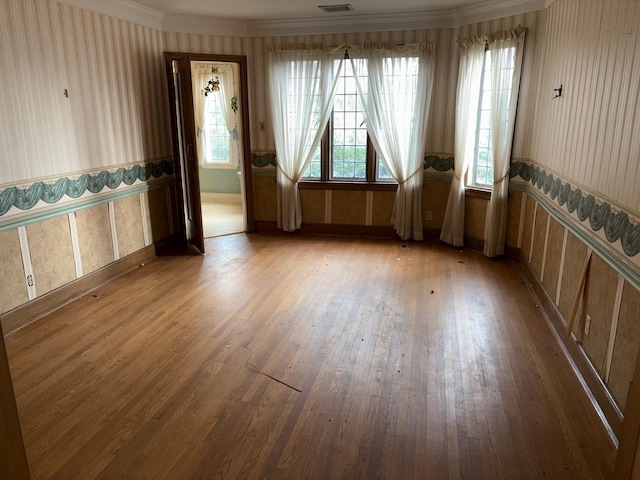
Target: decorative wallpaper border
x,y
262,160
27,198
440,163
617,226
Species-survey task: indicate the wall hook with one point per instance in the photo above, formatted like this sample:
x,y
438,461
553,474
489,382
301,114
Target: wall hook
x,y
558,91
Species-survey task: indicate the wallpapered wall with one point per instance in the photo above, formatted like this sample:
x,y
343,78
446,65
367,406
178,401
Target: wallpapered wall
x,y
440,137
113,71
589,135
85,164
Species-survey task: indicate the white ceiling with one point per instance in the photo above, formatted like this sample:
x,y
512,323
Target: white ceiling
x,y
283,9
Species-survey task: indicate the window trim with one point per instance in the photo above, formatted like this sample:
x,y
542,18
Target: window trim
x,y
326,165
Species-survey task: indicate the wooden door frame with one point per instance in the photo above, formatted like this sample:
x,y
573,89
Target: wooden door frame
x,y
241,61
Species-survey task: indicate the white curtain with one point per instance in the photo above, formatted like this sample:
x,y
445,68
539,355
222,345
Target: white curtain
x,y
302,82
506,50
395,84
226,93
201,74
467,100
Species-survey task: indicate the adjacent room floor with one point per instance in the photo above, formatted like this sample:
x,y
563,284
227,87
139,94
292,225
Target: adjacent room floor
x,y
222,218
280,357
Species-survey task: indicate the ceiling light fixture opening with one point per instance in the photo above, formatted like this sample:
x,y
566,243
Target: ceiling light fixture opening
x,y
344,7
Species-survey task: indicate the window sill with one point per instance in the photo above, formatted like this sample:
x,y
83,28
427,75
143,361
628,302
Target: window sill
x,y
478,192
336,185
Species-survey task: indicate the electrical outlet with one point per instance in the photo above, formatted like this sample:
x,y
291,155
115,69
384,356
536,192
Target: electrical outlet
x,y
429,215
587,325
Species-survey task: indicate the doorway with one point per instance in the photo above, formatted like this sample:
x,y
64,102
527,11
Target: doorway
x,y
210,130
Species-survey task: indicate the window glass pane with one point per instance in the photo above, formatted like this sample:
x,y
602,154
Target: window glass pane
x,y
482,170
349,133
383,173
215,131
315,167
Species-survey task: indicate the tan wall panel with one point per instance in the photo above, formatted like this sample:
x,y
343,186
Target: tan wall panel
x,y
312,205
573,260
13,288
539,232
528,226
94,237
383,208
51,253
129,225
627,344
158,214
599,296
264,198
475,214
348,207
434,199
513,218
554,257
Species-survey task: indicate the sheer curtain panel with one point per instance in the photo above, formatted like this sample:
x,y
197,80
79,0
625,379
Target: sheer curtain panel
x,y
302,82
467,100
506,65
201,73
227,92
395,84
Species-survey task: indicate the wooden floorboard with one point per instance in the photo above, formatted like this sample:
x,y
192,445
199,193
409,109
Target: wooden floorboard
x,y
413,361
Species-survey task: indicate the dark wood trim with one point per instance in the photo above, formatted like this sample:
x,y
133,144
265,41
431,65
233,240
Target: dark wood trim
x,y
339,185
44,304
474,243
241,60
576,352
374,231
474,192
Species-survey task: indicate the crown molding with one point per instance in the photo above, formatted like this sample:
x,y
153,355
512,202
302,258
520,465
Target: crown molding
x,y
123,9
488,10
493,9
446,18
350,23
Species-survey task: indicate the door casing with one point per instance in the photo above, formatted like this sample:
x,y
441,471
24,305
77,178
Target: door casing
x,y
181,196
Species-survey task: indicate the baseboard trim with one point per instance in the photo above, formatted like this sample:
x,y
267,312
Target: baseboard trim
x,y
263,226
611,417
47,303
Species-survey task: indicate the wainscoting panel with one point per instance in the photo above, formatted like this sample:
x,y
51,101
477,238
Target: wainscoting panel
x,y
13,286
129,225
626,345
94,236
313,205
51,254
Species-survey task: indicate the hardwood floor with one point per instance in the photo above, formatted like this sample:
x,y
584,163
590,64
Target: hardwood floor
x,y
413,361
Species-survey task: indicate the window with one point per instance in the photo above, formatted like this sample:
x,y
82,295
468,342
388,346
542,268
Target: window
x,y
346,152
481,172
216,135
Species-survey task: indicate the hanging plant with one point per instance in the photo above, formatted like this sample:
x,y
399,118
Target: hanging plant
x,y
234,104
